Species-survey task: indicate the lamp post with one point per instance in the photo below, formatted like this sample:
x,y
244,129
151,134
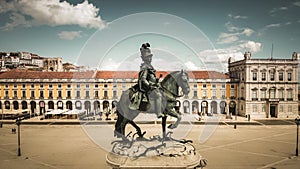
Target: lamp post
x,y
297,120
18,122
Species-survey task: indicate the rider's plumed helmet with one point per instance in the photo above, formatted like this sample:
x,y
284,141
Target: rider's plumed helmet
x,y
145,51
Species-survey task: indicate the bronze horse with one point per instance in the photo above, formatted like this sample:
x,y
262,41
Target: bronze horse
x,y
170,91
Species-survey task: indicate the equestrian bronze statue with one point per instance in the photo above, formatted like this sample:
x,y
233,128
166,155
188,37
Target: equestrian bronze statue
x,y
150,95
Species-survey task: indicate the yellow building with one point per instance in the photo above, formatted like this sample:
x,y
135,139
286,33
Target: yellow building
x,y
210,91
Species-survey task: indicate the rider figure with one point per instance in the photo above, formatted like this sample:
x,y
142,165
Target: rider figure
x,y
147,81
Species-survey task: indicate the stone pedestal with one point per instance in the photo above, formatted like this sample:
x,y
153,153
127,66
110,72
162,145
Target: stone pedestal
x,y
149,155
154,162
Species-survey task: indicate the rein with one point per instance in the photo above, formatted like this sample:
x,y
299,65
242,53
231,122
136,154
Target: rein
x,y
173,94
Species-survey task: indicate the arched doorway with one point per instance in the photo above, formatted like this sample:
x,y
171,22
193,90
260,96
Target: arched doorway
x,y
51,105
96,106
7,105
87,106
186,106
42,107
223,107
195,107
15,105
78,105
60,105
33,107
232,107
69,105
214,107
24,105
204,108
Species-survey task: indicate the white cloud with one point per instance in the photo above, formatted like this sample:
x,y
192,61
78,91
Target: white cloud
x,y
275,10
54,13
297,3
69,35
237,16
16,20
191,66
235,33
274,25
251,46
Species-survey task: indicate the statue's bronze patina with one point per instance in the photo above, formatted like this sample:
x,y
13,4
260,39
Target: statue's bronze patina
x,y
151,96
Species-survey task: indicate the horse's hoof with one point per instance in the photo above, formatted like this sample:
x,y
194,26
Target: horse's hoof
x,y
172,126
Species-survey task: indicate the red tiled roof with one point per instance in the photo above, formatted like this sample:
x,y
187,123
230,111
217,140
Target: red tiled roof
x,y
25,74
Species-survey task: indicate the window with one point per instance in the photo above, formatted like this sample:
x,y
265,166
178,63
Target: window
x,y
32,94
78,86
213,86
96,85
223,86
115,94
195,86
254,107
6,93
68,86
263,76
281,108
87,93
77,94
87,86
254,95
50,85
281,94
69,94
214,93
15,86
6,86
254,76
15,93
41,94
23,86
105,85
272,75
41,86
290,108
272,93
290,95
59,94
50,93
32,85
204,94
23,93
280,76
289,76
195,93
96,94
232,93
105,94
59,85
204,86
232,86
223,93
263,95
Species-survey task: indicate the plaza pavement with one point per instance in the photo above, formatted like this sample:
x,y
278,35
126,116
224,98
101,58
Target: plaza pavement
x,y
250,145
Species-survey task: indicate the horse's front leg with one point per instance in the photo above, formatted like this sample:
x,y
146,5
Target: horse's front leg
x,y
174,113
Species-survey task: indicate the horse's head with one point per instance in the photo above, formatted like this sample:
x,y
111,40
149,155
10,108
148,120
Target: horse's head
x,y
183,82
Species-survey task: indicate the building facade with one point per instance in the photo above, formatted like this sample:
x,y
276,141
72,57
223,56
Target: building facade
x,y
264,87
91,91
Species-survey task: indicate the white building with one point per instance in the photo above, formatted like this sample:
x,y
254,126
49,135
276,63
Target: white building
x,y
265,87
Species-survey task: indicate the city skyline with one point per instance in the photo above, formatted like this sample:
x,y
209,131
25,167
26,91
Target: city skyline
x,y
229,28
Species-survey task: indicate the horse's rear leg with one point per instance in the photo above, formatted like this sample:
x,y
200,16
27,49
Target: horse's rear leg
x,y
138,129
163,125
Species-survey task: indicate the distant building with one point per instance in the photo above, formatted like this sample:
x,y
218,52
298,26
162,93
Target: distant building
x,y
53,64
265,87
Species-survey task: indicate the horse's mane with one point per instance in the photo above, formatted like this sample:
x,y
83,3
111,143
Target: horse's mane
x,y
169,76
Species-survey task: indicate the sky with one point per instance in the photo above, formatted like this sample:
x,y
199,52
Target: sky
x,y
192,34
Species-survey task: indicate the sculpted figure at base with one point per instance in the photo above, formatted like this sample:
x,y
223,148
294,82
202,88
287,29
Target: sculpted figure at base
x,y
151,96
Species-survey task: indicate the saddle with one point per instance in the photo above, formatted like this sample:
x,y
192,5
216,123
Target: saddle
x,y
138,99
